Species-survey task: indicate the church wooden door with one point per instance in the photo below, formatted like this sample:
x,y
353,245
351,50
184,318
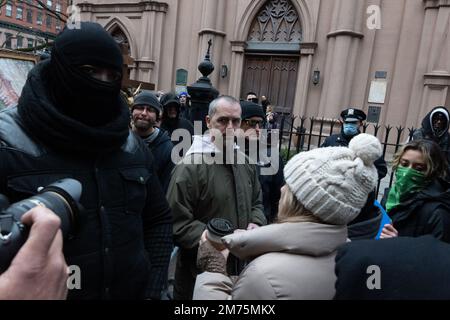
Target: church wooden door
x,y
273,76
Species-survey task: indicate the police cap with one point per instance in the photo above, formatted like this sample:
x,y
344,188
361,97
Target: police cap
x,y
353,115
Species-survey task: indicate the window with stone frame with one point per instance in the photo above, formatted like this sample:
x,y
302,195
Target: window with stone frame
x,y
277,22
8,10
29,16
8,41
30,42
48,21
19,42
39,18
19,13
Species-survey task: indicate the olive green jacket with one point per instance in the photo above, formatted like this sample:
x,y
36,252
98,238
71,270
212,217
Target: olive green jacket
x,y
199,191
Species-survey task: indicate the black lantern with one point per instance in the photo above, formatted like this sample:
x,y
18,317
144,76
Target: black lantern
x,y
316,77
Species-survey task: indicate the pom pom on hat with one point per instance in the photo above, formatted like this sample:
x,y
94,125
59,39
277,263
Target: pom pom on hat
x,y
334,183
366,147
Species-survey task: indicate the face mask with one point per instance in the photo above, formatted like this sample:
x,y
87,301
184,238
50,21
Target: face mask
x,y
351,129
408,181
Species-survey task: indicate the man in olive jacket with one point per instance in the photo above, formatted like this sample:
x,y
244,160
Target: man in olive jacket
x,y
206,185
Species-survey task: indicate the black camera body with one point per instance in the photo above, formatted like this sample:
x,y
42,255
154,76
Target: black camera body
x,y
62,197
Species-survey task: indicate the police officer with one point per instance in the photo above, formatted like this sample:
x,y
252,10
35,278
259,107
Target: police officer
x,y
352,121
367,223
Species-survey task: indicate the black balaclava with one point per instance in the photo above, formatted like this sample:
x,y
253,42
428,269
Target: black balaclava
x,y
74,92
64,108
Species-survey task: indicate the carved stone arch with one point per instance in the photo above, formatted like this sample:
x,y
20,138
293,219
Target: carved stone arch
x,y
254,8
116,26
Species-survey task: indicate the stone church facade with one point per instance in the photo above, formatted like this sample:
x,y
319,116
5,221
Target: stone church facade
x,y
390,58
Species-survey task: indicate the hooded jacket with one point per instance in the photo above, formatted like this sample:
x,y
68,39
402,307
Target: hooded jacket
x,y
169,124
200,190
426,213
427,131
289,261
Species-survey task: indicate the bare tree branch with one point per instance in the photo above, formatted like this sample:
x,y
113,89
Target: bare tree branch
x,y
40,6
37,48
53,12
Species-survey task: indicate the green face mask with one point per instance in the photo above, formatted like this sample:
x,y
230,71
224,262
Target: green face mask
x,y
408,181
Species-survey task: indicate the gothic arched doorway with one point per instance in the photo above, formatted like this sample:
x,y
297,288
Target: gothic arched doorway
x,y
273,53
122,40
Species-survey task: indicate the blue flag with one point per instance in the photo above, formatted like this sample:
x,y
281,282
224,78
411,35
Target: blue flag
x,y
385,220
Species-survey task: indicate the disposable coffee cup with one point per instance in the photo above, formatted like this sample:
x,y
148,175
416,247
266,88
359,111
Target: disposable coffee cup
x,y
216,229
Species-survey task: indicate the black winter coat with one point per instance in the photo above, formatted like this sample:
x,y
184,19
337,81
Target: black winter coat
x,y
409,269
425,213
170,125
271,188
161,149
124,237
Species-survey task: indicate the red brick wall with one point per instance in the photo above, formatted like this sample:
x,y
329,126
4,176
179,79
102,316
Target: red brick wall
x,y
25,6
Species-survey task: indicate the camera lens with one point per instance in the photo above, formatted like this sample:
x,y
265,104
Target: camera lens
x,y
61,197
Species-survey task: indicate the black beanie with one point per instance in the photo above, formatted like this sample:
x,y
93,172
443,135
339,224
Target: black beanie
x,y
73,91
147,98
251,109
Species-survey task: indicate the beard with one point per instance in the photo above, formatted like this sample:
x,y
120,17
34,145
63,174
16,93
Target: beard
x,y
144,125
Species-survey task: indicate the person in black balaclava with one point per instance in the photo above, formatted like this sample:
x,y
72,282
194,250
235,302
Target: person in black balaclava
x,y
78,109
171,119
72,122
435,127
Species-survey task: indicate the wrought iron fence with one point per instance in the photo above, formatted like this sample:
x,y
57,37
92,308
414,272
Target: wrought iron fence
x,y
299,134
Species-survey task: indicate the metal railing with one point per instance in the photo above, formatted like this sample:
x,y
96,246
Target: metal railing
x,y
299,134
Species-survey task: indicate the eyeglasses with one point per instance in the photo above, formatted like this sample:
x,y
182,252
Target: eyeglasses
x,y
254,123
225,121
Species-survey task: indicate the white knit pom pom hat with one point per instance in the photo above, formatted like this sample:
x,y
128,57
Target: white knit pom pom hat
x,y
334,183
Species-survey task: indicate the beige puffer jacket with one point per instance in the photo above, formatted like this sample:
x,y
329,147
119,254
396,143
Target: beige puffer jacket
x,y
291,261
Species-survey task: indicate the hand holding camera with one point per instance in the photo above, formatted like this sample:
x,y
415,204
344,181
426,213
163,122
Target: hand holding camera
x,y
61,197
32,264
39,270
